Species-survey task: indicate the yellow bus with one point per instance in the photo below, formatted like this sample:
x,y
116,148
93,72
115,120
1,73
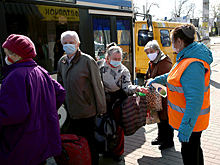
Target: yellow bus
x,y
158,30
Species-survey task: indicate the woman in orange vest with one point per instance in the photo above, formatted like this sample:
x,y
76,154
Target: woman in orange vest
x,y
188,92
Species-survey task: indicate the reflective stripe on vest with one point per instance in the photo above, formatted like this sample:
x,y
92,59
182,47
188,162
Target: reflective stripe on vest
x,y
182,110
180,89
177,101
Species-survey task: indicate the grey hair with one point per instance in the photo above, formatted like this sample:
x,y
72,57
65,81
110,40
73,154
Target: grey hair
x,y
71,33
114,49
152,44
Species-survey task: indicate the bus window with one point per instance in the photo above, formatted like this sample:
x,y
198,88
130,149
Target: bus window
x,y
124,41
101,32
165,38
144,36
43,27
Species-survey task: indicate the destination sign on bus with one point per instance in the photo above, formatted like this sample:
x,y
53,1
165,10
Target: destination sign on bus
x,y
72,1
54,13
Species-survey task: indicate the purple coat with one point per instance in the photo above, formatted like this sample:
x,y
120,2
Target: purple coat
x,y
29,123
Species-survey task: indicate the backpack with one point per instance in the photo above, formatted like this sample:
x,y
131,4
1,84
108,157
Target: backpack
x,y
105,133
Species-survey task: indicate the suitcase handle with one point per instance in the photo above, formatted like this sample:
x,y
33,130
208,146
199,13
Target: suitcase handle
x,y
70,140
65,154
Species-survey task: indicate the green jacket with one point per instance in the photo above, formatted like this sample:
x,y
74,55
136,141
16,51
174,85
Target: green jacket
x,y
85,96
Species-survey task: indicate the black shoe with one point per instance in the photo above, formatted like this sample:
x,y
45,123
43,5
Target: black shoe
x,y
107,155
117,158
166,145
156,141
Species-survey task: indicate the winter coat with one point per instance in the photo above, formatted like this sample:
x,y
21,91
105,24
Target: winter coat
x,y
29,122
192,81
85,96
161,65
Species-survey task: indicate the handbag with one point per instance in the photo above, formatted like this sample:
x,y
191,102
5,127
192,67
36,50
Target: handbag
x,y
134,112
154,100
138,111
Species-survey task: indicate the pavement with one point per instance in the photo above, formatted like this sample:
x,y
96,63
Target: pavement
x,y
138,148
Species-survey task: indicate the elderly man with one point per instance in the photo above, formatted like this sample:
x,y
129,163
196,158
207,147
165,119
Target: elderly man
x,y
160,64
85,96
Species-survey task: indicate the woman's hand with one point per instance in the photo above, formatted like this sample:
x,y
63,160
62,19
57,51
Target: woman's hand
x,y
150,81
142,90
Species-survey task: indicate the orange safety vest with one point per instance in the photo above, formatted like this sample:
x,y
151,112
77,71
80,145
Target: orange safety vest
x,y
177,101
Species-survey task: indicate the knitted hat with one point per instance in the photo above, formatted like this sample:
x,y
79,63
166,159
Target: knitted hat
x,y
188,30
20,45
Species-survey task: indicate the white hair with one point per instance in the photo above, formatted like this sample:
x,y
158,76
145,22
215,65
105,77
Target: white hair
x,y
71,33
113,49
152,44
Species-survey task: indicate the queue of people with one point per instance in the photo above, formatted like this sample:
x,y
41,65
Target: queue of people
x,y
30,98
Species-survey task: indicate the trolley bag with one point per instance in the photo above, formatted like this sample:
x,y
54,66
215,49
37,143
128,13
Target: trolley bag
x,y
75,151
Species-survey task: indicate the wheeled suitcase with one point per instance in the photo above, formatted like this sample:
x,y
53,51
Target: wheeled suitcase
x,y
75,151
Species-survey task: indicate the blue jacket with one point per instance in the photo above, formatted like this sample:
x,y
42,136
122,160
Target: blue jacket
x,y
193,82
29,123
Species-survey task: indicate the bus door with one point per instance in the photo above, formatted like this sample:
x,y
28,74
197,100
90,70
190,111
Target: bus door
x,y
142,37
102,37
107,29
124,41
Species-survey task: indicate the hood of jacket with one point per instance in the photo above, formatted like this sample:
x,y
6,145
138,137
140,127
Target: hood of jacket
x,y
195,50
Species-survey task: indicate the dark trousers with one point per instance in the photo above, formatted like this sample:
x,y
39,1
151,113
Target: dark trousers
x,y
192,152
85,127
165,131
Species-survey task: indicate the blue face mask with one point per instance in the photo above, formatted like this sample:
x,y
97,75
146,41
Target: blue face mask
x,y
69,48
115,63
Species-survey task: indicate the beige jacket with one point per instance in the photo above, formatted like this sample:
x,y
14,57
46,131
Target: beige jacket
x,y
85,96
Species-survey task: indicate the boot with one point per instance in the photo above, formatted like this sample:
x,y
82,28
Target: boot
x,y
159,138
166,145
156,141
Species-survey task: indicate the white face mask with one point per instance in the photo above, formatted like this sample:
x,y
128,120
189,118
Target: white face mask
x,y
8,60
152,56
69,48
175,49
